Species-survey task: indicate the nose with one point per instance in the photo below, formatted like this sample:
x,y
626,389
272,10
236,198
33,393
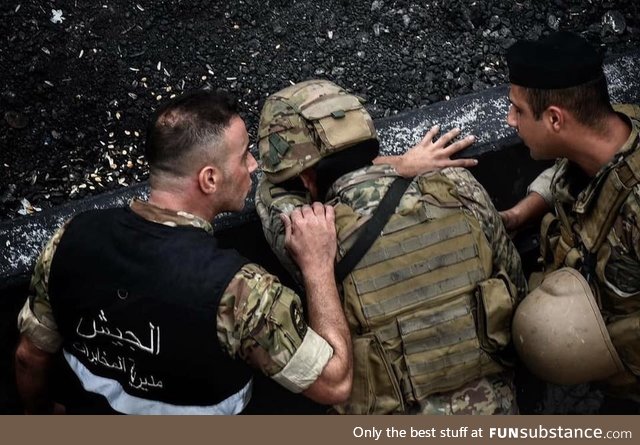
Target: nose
x,y
253,164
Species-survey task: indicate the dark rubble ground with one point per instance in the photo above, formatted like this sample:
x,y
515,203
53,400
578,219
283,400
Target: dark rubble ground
x,y
79,79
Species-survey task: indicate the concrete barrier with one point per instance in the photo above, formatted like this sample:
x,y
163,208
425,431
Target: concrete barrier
x,y
482,114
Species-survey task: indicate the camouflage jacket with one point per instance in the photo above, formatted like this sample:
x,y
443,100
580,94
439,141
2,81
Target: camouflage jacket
x,y
259,320
614,271
565,185
488,395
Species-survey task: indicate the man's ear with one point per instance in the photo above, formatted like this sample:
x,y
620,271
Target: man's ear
x,y
555,118
209,179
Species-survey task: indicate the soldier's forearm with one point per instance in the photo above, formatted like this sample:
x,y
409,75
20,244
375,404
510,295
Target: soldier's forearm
x,y
327,319
530,209
32,372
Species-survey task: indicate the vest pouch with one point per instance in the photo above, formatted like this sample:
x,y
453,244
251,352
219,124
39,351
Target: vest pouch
x,y
375,388
565,255
612,267
338,119
346,130
625,335
494,306
441,348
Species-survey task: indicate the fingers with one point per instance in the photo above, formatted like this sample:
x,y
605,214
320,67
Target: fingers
x,y
324,213
317,211
310,236
459,145
428,138
299,214
286,221
318,208
450,135
330,214
445,139
305,211
464,163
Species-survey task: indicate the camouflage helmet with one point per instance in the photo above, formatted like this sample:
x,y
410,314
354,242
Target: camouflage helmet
x,y
560,335
306,122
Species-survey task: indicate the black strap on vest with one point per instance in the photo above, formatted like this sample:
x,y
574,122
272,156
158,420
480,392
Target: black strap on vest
x,y
372,228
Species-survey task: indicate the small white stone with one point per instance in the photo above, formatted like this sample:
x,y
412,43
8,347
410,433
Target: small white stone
x,y
56,16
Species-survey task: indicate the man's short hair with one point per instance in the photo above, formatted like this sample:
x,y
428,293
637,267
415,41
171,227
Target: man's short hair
x,y
187,132
589,103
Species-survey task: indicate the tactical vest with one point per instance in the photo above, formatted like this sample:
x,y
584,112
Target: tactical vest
x,y
136,303
424,314
582,238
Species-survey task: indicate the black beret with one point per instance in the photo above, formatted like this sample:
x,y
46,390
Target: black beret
x,y
561,60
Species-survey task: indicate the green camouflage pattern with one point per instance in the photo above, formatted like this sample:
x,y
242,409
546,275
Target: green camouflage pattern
x,y
259,320
305,122
622,270
362,191
169,217
492,395
617,278
272,200
36,319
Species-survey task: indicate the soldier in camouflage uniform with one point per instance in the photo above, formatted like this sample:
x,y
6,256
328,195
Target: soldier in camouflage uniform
x,y
429,304
561,109
150,314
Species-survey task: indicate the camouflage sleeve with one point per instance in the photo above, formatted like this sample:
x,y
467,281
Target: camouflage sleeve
x,y
260,321
477,200
36,320
631,223
271,201
542,184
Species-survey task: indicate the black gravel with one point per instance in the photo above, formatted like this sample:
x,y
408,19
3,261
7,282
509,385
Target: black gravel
x,y
75,95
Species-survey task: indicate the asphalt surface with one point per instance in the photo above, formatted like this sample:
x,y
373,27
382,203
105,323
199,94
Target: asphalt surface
x,y
80,79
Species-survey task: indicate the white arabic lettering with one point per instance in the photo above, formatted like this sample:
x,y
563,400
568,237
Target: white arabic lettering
x,y
84,330
99,356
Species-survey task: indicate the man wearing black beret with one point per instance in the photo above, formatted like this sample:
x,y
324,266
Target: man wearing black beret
x,y
560,107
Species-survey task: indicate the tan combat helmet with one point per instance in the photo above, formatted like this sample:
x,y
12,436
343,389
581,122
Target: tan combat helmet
x,y
306,122
560,335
